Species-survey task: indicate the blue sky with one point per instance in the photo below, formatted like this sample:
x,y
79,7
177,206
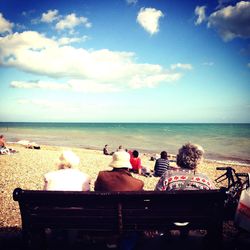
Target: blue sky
x,y
125,61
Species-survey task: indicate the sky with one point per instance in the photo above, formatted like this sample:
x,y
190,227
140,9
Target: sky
x,y
125,61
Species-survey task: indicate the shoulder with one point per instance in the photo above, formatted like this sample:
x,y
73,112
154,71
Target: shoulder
x,y
51,174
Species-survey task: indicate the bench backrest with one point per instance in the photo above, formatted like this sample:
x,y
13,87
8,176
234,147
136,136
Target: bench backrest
x,y
119,211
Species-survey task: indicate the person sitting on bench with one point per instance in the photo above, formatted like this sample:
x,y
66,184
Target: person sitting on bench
x,y
67,177
185,176
119,179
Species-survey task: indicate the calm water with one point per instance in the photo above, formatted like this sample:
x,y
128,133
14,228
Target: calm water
x,y
229,142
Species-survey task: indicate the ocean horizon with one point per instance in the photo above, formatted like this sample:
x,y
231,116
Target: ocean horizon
x,y
227,142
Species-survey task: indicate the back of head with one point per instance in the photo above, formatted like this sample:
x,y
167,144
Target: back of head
x,y
135,153
68,159
164,155
189,156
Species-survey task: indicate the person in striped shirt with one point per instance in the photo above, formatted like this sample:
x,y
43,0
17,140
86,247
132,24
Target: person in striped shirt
x,y
161,164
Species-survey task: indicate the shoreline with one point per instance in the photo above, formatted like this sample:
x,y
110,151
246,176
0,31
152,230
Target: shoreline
x,y
220,160
222,142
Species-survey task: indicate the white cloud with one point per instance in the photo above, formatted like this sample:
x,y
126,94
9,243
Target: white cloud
x,y
39,85
182,66
115,70
148,18
152,81
248,65
90,86
232,21
50,16
71,21
200,13
131,1
69,40
5,25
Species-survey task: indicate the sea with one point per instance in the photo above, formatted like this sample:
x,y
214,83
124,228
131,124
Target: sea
x,y
221,142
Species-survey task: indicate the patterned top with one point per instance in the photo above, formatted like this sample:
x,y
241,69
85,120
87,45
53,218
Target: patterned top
x,y
175,180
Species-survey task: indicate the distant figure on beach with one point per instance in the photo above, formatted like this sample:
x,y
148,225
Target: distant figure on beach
x,y
185,177
161,164
28,144
3,147
105,150
120,148
67,177
119,178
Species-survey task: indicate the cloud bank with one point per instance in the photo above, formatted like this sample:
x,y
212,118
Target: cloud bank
x,y
89,70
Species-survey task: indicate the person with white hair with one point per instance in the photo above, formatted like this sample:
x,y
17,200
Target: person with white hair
x,y
67,177
186,177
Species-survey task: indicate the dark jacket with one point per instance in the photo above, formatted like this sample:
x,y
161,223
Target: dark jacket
x,y
117,180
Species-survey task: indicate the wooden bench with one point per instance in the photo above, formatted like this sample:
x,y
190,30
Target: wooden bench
x,y
104,213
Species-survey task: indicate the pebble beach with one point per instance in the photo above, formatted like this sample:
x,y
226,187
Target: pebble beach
x,y
26,168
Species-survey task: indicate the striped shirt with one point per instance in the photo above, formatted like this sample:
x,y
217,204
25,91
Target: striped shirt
x,y
161,165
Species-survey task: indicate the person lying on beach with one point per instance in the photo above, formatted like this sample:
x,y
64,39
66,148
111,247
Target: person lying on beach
x,y
67,177
3,147
28,144
161,164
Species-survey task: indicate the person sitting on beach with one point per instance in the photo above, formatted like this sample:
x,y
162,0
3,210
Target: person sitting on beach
x,y
120,148
137,168
3,147
161,164
119,178
185,177
105,150
135,161
67,177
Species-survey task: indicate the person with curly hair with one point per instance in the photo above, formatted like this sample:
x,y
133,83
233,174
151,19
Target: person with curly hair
x,y
185,177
